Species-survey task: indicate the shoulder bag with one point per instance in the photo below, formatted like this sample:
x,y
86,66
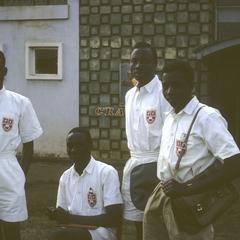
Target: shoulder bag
x,y
197,211
143,180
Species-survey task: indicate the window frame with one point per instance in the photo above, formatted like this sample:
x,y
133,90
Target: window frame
x,y
30,73
219,12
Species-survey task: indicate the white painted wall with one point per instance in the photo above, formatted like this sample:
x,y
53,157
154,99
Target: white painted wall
x,y
56,102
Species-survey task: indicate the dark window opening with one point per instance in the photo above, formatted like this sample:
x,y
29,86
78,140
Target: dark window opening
x,y
227,19
46,61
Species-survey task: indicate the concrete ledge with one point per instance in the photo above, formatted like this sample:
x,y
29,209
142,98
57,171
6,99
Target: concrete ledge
x,y
34,12
46,172
49,170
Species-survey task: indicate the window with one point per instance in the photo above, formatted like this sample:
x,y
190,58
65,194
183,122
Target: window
x,y
228,19
44,61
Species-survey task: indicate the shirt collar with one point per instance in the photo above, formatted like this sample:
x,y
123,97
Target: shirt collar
x,y
88,169
2,90
90,166
149,87
189,108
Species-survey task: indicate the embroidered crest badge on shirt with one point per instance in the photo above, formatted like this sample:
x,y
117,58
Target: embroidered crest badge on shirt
x,y
7,124
181,146
151,116
92,198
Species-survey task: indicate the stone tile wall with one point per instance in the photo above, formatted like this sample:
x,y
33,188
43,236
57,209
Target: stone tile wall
x,y
108,30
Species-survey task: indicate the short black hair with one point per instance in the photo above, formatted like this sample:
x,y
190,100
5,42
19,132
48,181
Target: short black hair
x,y
2,56
84,131
147,45
179,66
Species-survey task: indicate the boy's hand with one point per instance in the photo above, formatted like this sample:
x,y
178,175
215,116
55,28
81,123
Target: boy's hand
x,y
173,189
51,212
59,214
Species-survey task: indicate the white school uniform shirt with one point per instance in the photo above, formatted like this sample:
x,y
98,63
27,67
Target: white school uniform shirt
x,y
19,123
209,139
144,110
89,194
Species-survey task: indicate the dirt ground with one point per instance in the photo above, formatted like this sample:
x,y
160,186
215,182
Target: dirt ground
x,y
41,195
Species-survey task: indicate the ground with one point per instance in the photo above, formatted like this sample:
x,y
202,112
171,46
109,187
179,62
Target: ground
x,y
41,194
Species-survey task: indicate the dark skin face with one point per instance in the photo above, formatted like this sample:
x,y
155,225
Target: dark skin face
x,y
176,89
3,71
178,92
142,65
79,150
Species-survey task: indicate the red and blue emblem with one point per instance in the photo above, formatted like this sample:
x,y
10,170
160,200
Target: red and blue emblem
x,y
151,116
92,198
7,124
180,147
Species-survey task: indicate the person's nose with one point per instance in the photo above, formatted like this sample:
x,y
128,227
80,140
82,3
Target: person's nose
x,y
75,149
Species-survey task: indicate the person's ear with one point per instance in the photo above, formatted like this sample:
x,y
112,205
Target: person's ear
x,y
68,149
5,70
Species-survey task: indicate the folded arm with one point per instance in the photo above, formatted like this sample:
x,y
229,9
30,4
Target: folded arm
x,y
112,217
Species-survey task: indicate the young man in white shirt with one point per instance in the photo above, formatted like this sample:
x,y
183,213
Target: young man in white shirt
x,y
144,113
88,194
19,123
209,141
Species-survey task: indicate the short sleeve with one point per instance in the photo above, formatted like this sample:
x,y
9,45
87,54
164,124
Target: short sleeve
x,y
111,187
29,125
61,195
219,140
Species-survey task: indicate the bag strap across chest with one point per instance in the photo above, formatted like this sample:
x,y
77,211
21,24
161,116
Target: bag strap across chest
x,y
186,140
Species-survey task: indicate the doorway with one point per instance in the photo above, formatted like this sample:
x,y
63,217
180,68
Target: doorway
x,y
224,86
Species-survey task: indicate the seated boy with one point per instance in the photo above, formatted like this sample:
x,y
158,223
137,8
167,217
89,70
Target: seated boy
x,y
89,202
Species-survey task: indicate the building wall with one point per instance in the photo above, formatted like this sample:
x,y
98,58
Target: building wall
x,y
31,2
55,101
108,30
